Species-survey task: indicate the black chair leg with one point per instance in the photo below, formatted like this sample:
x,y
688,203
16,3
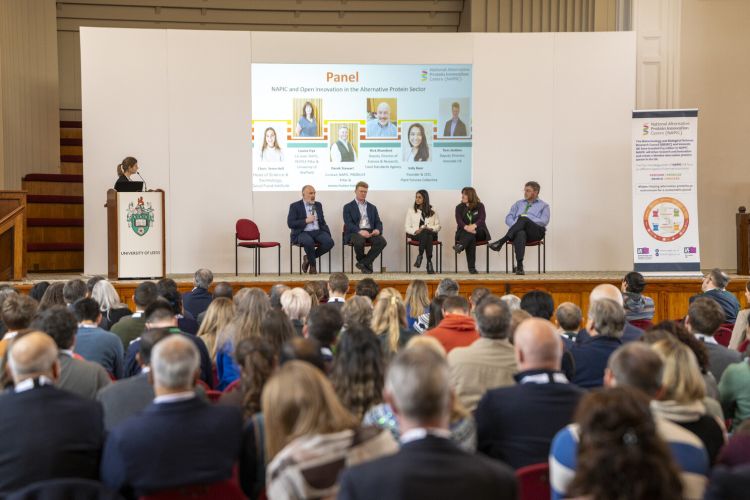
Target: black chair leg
x,y
487,260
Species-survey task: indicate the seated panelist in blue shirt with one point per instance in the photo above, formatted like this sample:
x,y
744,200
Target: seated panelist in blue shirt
x,y
309,227
527,219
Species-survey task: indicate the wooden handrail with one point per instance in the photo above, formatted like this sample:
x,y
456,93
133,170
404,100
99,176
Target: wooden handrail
x,y
9,218
13,217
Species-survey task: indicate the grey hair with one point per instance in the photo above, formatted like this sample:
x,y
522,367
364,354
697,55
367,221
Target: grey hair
x,y
447,287
203,278
513,301
296,303
419,381
41,363
106,296
608,317
174,362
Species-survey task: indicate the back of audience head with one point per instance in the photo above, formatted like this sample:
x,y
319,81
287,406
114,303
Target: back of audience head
x,y
606,291
456,304
59,323
634,282
635,365
74,290
389,317
620,454
357,310
218,316
250,307
223,289
324,324
149,339
513,301
160,314
436,311
17,311
91,283
539,304
257,361
606,318
174,298
302,349
569,316
303,402
145,295
716,278
296,303
682,380
358,370
277,329
538,345
175,365
493,318
33,355
164,285
704,316
37,291
447,287
86,310
516,318
318,292
477,295
367,287
418,388
417,299
275,294
338,284
675,330
106,296
53,296
203,278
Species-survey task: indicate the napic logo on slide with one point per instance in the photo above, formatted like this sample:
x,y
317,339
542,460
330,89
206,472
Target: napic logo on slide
x,y
140,216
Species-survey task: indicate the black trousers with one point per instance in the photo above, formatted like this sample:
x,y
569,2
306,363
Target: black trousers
x,y
358,241
469,242
425,239
522,231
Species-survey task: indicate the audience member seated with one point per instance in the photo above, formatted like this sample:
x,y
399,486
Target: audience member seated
x,y
539,304
73,291
185,321
296,304
568,317
477,296
274,294
218,315
113,310
463,431
338,287
37,291
53,296
129,396
606,321
429,464
324,324
638,307
621,454
76,375
457,328
16,313
513,301
198,299
637,366
277,330
196,443
160,314
95,344
705,316
389,321
257,360
607,291
737,450
130,327
714,287
222,289
318,292
517,317
368,288
417,302
358,371
734,390
357,311
250,309
739,332
299,349
516,424
47,433
683,399
487,363
428,320
312,437
91,283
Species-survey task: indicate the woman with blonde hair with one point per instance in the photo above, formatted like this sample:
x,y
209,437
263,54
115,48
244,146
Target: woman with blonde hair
x,y
311,429
249,313
417,302
683,400
357,310
218,315
389,321
110,305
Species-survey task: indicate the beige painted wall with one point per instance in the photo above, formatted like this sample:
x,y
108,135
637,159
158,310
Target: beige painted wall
x,y
715,78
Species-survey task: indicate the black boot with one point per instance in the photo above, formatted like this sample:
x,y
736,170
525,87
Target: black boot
x,y
418,262
430,269
519,270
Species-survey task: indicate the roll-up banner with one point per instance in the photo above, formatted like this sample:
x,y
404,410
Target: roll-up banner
x,y
665,192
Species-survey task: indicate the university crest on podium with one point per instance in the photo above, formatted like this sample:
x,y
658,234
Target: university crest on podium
x,y
140,216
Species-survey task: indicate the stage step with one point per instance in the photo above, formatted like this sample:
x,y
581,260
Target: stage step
x,y
52,210
74,168
71,133
71,150
71,141
53,260
71,158
53,184
56,233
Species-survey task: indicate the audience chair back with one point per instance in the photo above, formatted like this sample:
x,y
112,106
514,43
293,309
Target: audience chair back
x,y
533,482
226,490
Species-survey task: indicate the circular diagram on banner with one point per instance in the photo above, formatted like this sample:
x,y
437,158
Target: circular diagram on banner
x,y
666,219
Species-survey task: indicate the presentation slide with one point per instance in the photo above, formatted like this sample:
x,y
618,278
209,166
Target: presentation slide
x,y
397,127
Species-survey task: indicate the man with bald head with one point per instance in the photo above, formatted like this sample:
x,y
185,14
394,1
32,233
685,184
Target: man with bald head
x,y
611,292
516,424
47,432
381,125
309,228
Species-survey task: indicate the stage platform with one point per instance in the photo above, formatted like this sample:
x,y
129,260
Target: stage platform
x,y
670,294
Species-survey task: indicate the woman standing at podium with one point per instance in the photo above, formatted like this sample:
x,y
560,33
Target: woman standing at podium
x,y
125,170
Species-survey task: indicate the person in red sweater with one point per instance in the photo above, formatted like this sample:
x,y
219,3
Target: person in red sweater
x,y
457,328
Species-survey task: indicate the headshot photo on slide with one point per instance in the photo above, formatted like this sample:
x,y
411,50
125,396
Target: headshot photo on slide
x,y
270,141
455,117
307,117
343,141
416,142
382,116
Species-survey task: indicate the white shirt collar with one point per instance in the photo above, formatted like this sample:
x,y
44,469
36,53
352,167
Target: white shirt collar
x,y
174,398
83,325
336,299
708,339
31,383
9,335
68,352
421,432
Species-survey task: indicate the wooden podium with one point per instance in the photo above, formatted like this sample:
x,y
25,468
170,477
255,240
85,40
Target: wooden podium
x,y
136,235
12,235
743,241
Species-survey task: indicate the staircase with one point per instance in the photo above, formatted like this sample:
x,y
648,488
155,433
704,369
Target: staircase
x,y
55,209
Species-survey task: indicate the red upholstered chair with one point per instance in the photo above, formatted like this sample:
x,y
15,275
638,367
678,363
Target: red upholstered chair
x,y
414,243
214,396
485,244
234,385
643,324
723,335
541,254
247,235
743,345
226,490
533,482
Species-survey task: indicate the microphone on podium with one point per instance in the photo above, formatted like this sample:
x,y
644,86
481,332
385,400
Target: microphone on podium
x,y
145,188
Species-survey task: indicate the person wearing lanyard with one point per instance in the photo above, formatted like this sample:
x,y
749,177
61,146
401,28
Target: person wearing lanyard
x,y
527,220
471,226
